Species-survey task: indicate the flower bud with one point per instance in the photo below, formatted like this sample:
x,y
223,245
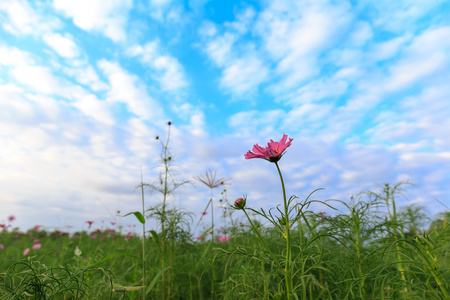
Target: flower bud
x,y
240,203
282,221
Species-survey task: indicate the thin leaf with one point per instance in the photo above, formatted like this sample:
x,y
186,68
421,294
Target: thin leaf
x,y
138,216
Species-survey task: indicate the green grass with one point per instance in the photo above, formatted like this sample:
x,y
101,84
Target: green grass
x,y
351,255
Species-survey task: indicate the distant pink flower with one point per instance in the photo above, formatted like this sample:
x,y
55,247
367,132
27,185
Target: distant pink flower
x,y
36,246
36,227
11,218
273,152
322,214
223,239
3,226
26,251
90,223
113,223
93,236
36,240
2,247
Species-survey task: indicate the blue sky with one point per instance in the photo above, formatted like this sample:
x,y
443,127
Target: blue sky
x,y
85,86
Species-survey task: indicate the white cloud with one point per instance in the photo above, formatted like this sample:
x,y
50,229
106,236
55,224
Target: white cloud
x,y
361,34
127,88
244,69
13,56
63,45
243,75
218,48
87,75
167,70
395,16
321,89
42,80
22,18
265,122
107,17
308,118
93,107
165,11
427,55
388,49
23,68
295,34
423,117
285,37
173,75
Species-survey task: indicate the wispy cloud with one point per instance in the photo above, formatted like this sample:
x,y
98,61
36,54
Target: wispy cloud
x,y
164,68
128,89
106,17
20,17
243,67
63,45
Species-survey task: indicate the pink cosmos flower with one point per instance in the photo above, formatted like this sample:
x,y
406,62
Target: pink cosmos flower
x,y
90,223
273,152
223,238
36,246
11,218
26,251
2,247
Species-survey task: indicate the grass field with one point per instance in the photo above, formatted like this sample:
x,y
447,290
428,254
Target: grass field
x,y
352,255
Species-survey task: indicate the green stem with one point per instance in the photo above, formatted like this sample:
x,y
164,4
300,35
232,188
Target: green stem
x,y
143,238
287,269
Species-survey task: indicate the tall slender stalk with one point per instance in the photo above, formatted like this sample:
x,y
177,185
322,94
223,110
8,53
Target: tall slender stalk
x,y
143,240
287,269
165,185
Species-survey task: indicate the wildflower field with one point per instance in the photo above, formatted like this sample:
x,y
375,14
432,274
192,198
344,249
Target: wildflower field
x,y
369,250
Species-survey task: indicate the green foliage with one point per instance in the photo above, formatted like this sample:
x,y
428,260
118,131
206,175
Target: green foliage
x,y
348,255
364,251
30,278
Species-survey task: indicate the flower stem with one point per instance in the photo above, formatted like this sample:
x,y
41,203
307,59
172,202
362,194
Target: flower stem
x,y
287,268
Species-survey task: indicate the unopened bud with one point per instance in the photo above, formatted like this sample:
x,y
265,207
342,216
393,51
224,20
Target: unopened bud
x,y
169,123
282,221
240,203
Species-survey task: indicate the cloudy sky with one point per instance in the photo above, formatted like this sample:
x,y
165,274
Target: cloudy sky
x,y
86,86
